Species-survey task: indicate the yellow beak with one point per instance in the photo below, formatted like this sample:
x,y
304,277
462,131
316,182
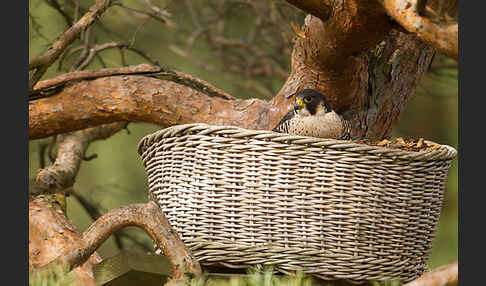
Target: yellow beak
x,y
298,104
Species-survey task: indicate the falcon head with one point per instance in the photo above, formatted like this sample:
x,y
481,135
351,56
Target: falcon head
x,y
309,102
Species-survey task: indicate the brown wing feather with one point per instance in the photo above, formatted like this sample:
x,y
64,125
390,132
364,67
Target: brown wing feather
x,y
283,125
346,130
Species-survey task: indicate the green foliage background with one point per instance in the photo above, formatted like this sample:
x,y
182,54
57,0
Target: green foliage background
x,y
117,177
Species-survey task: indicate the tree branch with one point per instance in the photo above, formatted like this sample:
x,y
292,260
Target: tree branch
x,y
150,218
139,98
44,88
446,275
71,150
442,36
92,74
41,63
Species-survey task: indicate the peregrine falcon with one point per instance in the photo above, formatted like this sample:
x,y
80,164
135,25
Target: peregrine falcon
x,y
312,116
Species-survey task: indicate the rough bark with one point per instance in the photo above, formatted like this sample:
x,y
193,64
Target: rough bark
x,y
148,217
138,98
370,88
50,233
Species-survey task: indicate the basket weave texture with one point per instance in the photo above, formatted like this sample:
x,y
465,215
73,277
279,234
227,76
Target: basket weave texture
x,y
333,208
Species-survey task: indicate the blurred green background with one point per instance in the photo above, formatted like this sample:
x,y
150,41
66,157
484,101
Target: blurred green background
x,y
116,177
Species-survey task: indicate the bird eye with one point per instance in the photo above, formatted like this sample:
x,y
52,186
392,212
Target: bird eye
x,y
307,99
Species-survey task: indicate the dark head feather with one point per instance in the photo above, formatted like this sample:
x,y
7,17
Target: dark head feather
x,y
312,98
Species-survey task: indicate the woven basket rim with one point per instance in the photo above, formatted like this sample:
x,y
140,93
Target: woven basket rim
x,y
445,152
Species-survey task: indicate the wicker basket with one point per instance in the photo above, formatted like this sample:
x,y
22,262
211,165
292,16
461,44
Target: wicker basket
x,y
335,209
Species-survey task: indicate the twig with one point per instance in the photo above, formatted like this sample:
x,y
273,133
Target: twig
x,y
91,74
156,15
85,52
446,275
193,82
69,51
152,71
41,63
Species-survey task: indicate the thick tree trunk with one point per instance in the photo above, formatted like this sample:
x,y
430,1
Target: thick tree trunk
x,y
370,87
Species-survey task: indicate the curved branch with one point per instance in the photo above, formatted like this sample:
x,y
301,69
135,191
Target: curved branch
x,y
443,37
150,218
446,275
71,151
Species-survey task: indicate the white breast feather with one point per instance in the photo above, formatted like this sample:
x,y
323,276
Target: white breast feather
x,y
328,125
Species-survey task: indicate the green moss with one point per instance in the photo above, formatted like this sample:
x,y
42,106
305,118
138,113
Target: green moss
x,y
53,274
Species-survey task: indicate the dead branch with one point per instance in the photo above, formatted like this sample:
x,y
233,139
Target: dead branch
x,y
50,86
91,74
41,63
150,218
442,36
193,82
446,275
71,150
